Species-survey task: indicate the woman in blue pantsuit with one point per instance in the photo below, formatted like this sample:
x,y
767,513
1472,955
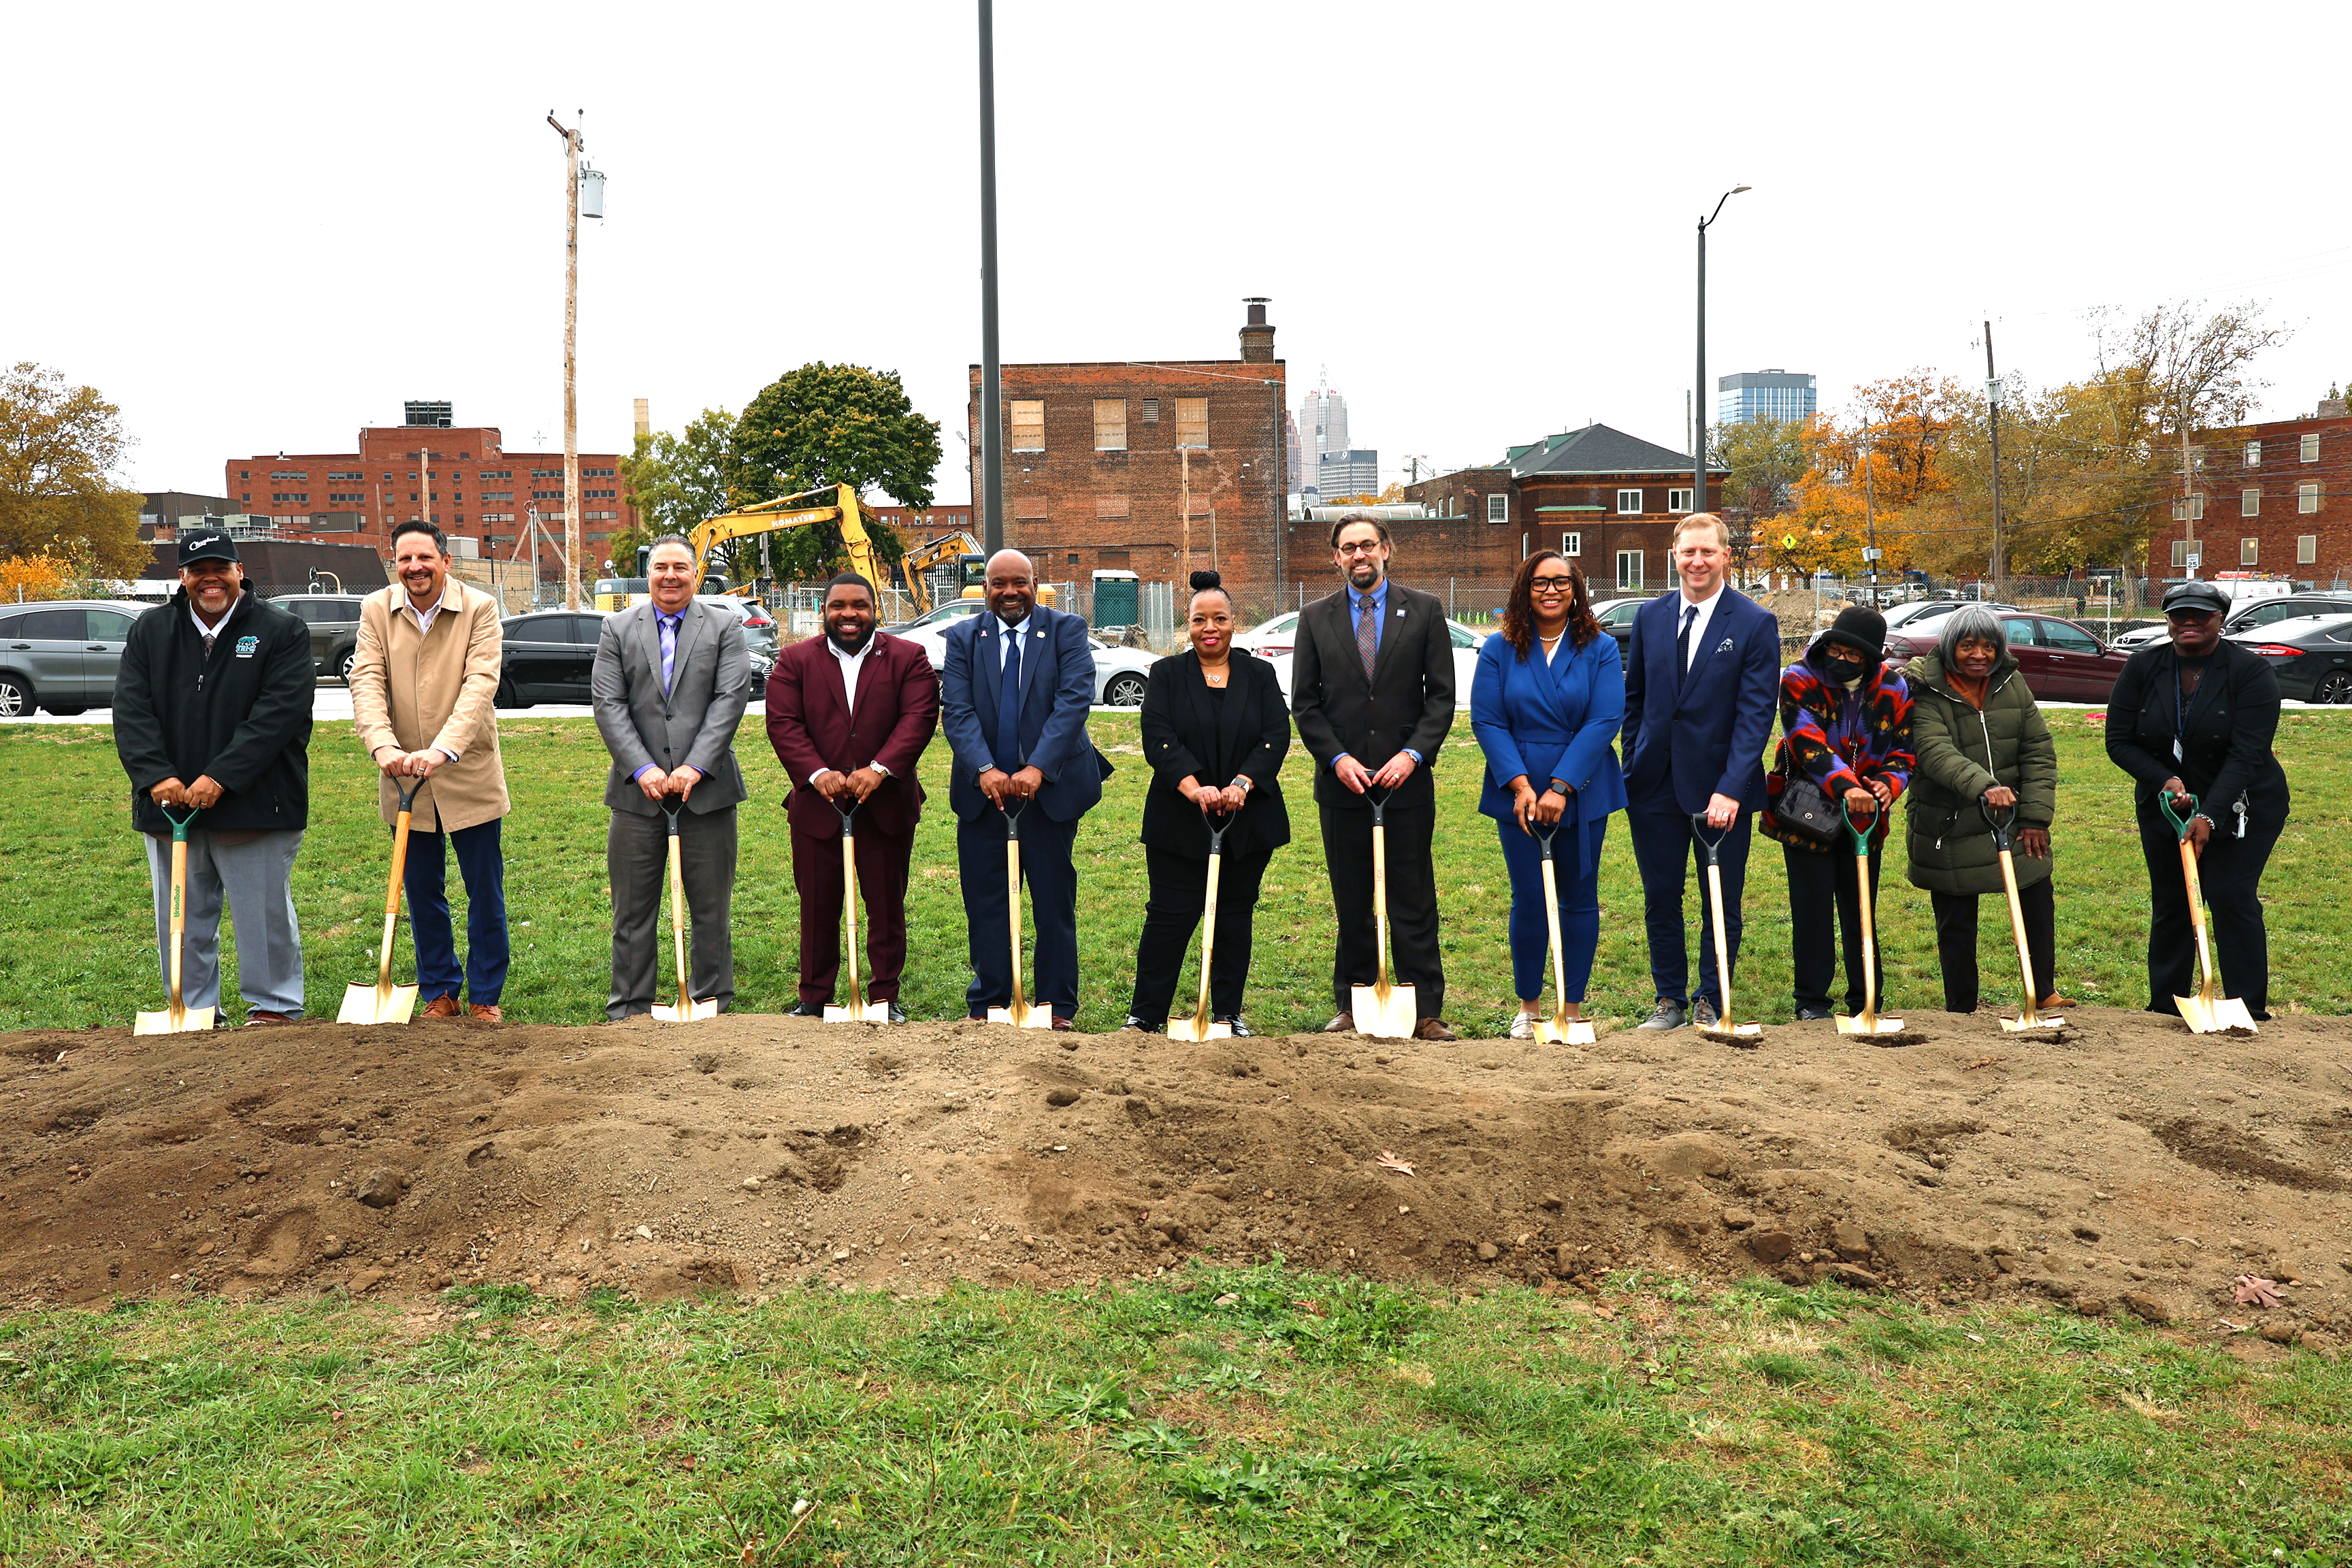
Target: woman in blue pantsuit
x,y
1546,705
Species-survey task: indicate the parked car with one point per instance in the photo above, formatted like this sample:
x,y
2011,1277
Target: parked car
x,y
1466,643
930,628
1919,612
1119,672
1616,618
760,628
549,657
62,655
2061,660
2311,655
2248,614
334,622
1269,637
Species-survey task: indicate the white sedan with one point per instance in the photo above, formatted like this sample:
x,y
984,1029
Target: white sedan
x,y
1119,672
1274,641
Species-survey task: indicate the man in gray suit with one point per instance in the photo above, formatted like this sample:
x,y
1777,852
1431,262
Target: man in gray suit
x,y
669,686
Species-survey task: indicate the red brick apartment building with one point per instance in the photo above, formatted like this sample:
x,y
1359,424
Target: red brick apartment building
x,y
2273,499
461,477
1607,499
919,525
1101,460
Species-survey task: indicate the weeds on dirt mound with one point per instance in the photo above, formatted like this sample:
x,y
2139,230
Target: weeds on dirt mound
x,y
1322,1319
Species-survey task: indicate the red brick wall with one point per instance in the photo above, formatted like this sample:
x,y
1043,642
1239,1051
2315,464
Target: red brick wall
x,y
2279,522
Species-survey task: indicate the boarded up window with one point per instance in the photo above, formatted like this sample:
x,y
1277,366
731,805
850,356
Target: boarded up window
x,y
1028,426
1029,509
1152,411
1110,424
1113,557
1193,422
1110,506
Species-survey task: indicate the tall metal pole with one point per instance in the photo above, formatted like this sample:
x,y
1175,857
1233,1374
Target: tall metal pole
x,y
1698,383
1869,509
992,389
1992,415
572,145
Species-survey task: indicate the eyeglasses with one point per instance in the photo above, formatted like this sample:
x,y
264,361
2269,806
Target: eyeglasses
x,y
1365,549
1552,584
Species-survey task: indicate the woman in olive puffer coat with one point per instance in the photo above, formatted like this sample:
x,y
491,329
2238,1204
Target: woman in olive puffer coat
x,y
1980,741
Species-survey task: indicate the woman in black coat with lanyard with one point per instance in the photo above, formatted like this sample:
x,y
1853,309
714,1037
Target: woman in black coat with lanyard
x,y
2194,717
1215,730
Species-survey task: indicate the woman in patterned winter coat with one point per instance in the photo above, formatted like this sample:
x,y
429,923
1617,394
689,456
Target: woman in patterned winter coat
x,y
1845,723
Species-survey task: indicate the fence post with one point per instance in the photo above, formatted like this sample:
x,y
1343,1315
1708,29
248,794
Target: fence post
x,y
1449,597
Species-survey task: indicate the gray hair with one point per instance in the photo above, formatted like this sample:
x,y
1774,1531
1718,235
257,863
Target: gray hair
x,y
1972,621
677,539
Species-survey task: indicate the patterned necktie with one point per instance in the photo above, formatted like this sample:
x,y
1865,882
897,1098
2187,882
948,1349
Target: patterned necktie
x,y
1682,644
1008,706
669,645
1368,632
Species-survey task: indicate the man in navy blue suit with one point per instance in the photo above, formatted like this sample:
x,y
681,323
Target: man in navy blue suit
x,y
1013,700
1702,680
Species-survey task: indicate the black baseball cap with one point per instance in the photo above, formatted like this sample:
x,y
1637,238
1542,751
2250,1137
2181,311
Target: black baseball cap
x,y
206,544
2195,598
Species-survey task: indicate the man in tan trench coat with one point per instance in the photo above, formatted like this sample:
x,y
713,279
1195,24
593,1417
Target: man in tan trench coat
x,y
423,680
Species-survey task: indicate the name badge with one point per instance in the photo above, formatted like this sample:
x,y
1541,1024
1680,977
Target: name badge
x,y
247,647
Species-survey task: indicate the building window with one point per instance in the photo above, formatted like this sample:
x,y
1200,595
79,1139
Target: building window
x,y
1629,571
1679,500
2180,549
2250,551
1192,422
2250,503
2306,498
1110,424
2307,549
2311,448
1111,507
2190,509
2254,454
1498,508
1028,426
1572,544
1628,500
1152,411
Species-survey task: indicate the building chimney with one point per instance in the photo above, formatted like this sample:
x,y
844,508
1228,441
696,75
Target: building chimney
x,y
644,419
1257,338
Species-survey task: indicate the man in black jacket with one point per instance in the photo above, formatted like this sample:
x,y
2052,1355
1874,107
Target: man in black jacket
x,y
1372,686
212,712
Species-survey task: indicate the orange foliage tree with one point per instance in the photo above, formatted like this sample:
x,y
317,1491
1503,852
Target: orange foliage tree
x,y
1882,457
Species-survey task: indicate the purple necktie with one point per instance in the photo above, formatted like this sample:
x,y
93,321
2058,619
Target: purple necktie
x,y
669,643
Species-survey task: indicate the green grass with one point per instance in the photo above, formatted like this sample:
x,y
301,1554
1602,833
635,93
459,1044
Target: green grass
x,y
1243,1416
78,948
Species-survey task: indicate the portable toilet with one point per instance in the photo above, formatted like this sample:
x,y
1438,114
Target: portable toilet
x,y
1118,599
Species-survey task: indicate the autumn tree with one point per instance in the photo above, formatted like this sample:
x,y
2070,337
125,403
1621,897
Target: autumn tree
x,y
832,425
59,447
1876,470
1764,457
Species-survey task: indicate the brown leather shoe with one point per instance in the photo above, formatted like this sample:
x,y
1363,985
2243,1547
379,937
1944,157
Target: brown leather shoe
x,y
2056,1000
1062,1023
484,1012
251,1018
1343,1024
442,1008
1433,1029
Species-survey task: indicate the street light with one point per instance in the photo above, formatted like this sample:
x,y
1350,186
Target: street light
x,y
1698,393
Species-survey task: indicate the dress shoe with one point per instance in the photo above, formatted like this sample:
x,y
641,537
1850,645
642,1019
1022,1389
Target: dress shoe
x,y
898,1014
269,1018
1667,1015
2054,1000
807,1010
1234,1021
1704,1015
1341,1023
442,1008
1061,1024
1433,1029
1810,1014
484,1012
1135,1026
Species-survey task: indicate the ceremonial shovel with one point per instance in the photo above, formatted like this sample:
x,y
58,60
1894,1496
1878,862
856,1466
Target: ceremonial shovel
x,y
1199,1027
857,1009
174,1019
2209,1011
1385,1011
1017,1012
1869,1022
384,1002
2002,825
1747,1036
1560,1028
688,1010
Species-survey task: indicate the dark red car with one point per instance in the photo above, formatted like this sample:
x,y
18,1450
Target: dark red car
x,y
2062,662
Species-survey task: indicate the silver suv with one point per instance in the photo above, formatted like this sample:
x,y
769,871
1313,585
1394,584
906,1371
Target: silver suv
x,y
61,655
334,622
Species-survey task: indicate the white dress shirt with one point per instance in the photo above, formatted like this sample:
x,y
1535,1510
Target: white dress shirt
x,y
425,616
1684,604
852,665
1013,634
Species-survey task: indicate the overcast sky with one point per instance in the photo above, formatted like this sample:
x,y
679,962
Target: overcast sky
x,y
259,227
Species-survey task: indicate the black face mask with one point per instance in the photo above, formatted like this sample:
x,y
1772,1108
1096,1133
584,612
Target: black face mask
x,y
1845,671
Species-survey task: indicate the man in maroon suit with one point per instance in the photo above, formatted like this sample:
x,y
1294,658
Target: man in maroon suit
x,y
849,714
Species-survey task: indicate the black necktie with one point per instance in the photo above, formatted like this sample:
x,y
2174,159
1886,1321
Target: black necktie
x,y
1682,644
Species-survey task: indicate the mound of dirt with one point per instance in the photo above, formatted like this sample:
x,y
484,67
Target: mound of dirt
x,y
2125,1164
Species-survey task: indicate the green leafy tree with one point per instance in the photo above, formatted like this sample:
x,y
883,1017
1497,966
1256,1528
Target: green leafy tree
x,y
59,447
674,482
832,425
1767,458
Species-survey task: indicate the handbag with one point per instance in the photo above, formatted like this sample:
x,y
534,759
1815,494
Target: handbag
x,y
1804,809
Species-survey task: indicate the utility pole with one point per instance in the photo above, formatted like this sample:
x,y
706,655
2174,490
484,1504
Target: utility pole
x,y
992,389
1698,380
572,147
1992,415
1870,512
1184,528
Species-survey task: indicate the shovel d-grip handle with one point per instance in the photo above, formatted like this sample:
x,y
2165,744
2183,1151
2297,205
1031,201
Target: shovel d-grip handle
x,y
1698,831
1011,820
1379,799
1861,835
2179,821
1544,838
2002,821
180,825
1209,819
847,831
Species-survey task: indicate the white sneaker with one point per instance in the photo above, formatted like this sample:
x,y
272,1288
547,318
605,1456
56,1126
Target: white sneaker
x,y
1523,1026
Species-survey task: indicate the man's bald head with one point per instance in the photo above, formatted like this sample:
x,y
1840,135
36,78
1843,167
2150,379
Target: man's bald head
x,y
1012,587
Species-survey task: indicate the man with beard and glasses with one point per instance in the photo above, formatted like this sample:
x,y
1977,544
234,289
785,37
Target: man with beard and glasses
x,y
849,714
1371,686
1014,695
670,682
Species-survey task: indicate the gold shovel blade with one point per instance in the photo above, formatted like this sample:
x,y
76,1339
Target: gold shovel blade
x,y
1868,1023
1559,1031
856,1012
1386,1018
2213,1015
691,1012
374,1005
1738,1032
2229,1012
1197,1030
2020,1026
171,1022
1022,1015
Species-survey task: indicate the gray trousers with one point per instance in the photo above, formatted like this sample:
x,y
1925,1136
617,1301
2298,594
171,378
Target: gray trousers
x,y
258,876
636,857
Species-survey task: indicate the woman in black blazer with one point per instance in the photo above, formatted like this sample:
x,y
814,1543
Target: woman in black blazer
x,y
2195,716
1215,730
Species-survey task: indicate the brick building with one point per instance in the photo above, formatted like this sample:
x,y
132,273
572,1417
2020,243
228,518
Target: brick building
x,y
2273,500
1102,458
915,525
461,477
1607,499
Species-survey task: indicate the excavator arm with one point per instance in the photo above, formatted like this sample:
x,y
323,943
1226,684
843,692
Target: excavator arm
x,y
782,514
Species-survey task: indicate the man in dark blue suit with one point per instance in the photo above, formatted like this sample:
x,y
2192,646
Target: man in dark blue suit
x,y
1702,680
1013,700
